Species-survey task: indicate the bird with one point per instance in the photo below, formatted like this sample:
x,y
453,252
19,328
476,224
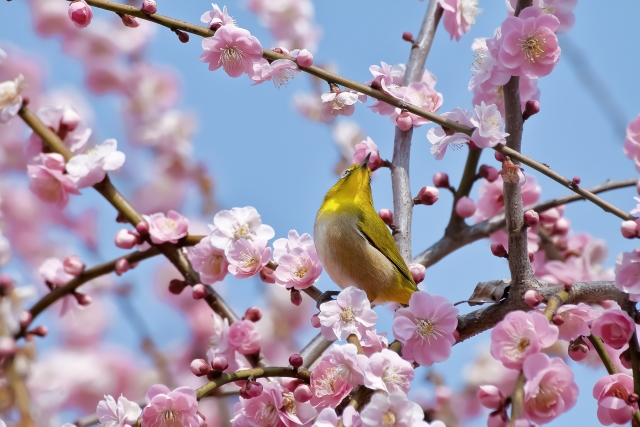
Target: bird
x,y
355,246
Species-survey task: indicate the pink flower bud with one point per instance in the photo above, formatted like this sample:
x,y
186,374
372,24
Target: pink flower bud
x,y
465,207
296,361
578,349
130,21
576,180
182,36
532,298
404,121
550,216
302,393
126,239
557,320
386,215
407,36
488,172
562,226
253,314
531,218
428,195
39,331
219,364
73,265
244,338
200,367
198,291
7,346
304,58
441,180
296,297
498,156
315,321
25,318
176,286
83,299
418,271
531,108
498,250
267,275
629,229
490,397
142,228
531,256
625,359
253,389
149,6
122,266
70,119
80,13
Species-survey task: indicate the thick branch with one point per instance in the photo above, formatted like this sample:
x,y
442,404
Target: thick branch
x,y
314,350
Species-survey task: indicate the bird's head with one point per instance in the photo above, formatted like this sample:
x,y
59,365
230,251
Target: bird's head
x,y
354,184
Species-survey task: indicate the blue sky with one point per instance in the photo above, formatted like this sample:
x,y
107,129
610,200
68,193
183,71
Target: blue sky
x,y
263,153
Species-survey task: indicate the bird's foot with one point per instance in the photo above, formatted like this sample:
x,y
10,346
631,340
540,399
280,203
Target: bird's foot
x,y
326,296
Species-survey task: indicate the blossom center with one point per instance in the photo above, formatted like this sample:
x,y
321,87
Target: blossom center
x,y
300,272
10,91
347,315
389,419
267,415
547,396
469,10
248,260
232,57
523,344
241,231
620,393
427,329
215,264
325,384
391,377
282,77
169,418
533,46
289,403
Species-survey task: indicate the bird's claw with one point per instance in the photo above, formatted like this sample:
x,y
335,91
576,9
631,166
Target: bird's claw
x,y
326,296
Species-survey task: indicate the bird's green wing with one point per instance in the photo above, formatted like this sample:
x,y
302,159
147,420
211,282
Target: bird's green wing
x,y
377,233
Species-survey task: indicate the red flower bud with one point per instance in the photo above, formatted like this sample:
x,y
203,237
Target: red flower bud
x,y
296,361
498,250
386,215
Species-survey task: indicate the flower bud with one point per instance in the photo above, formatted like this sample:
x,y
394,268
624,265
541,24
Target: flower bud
x,y
304,58
578,349
83,299
122,266
533,298
418,271
629,229
149,6
200,367
633,397
441,180
557,320
182,36
498,250
407,36
428,195
219,364
568,287
625,358
465,207
576,180
253,389
176,286
198,291
531,218
126,239
142,228
531,256
550,216
531,108
267,275
386,215
490,397
404,121
80,13
296,361
253,314
296,297
315,321
302,393
562,226
39,331
130,21
70,119
488,172
7,347
73,265
498,156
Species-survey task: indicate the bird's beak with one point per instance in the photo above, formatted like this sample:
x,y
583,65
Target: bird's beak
x,y
365,162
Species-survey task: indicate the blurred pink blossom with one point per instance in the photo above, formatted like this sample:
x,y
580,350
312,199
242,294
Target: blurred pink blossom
x,y
92,166
458,16
66,123
232,48
238,223
243,337
247,257
10,98
577,319
209,261
612,393
491,200
180,406
441,140
340,103
561,9
217,18
465,207
615,327
628,273
49,182
350,313
392,409
112,414
80,13
490,396
387,371
167,228
631,146
422,95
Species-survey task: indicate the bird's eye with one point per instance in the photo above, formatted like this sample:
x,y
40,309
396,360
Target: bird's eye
x,y
345,173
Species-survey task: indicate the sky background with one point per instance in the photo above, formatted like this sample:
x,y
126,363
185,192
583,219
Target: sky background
x,y
263,153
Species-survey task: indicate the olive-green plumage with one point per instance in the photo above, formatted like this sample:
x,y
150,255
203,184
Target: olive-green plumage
x,y
355,245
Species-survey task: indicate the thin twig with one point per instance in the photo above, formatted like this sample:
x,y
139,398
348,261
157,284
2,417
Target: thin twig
x,y
517,399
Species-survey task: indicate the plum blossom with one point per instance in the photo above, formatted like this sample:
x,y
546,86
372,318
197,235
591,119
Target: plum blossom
x,y
387,371
66,123
247,257
350,313
529,46
328,383
561,9
217,18
441,139
232,48
421,95
164,406
519,335
550,389
238,223
92,166
491,199
11,98
275,407
374,343
612,393
112,414
169,228
280,72
627,272
209,261
426,328
458,16
576,320
485,67
53,272
615,327
631,146
490,396
488,126
393,409
298,264
339,103
80,13
368,147
243,337
49,182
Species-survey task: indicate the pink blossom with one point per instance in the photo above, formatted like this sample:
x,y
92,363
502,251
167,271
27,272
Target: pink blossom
x,y
615,327
440,139
628,273
612,393
350,313
365,148
52,270
209,261
49,182
73,265
10,98
350,364
529,45
490,396
487,72
421,95
631,146
576,320
126,239
393,409
280,71
418,272
387,371
112,414
180,406
244,338
304,58
488,122
167,228
426,328
519,335
491,200
238,223
247,257
275,407
66,123
298,264
458,16
561,9
328,384
490,93
80,13
340,103
374,343
232,48
217,18
550,389
465,207
92,166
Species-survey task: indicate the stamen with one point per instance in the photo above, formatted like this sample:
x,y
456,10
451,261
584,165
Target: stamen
x,y
533,46
232,57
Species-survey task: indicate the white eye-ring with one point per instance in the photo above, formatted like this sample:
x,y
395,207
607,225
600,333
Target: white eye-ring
x,y
345,173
